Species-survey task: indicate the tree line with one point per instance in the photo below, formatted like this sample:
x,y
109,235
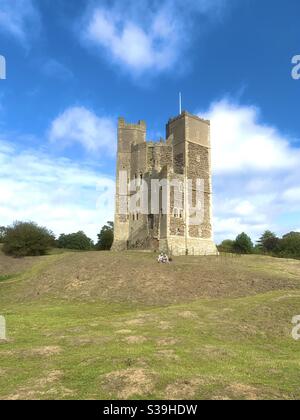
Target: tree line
x,y
24,239
29,239
288,246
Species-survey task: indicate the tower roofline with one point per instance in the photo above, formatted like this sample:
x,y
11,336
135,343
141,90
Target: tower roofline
x,y
141,124
188,114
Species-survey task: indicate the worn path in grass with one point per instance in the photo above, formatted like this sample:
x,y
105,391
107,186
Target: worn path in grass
x,y
100,325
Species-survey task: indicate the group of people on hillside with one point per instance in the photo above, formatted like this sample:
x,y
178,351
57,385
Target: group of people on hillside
x,y
163,259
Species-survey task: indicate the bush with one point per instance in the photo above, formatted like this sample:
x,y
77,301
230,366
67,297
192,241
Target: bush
x,y
226,246
77,241
27,239
289,245
106,237
243,244
268,243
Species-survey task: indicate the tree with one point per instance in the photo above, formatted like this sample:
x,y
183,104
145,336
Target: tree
x,y
2,234
226,246
243,244
77,241
289,245
27,239
106,237
268,242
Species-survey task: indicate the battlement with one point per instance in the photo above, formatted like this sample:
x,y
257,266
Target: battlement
x,y
160,143
141,125
187,114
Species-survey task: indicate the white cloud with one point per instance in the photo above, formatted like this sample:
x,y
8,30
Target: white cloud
x,y
292,195
241,143
57,193
18,17
229,228
83,126
147,35
256,173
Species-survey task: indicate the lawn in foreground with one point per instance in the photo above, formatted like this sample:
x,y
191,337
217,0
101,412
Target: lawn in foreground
x,y
208,348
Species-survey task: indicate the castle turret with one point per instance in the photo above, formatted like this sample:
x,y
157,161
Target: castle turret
x,y
128,135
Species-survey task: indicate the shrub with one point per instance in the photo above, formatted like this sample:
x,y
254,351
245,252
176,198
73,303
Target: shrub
x,y
27,239
268,243
106,237
77,241
226,246
289,245
243,244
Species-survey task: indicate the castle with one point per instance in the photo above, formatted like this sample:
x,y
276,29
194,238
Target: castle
x,y
167,169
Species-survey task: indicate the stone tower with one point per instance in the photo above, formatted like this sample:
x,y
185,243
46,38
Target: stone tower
x,y
175,171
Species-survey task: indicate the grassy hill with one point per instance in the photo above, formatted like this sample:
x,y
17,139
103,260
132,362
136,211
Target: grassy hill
x,y
103,325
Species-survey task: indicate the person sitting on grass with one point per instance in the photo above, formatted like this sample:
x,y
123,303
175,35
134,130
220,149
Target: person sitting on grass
x,y
160,258
163,259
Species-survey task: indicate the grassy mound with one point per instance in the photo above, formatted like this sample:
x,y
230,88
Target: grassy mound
x,y
103,325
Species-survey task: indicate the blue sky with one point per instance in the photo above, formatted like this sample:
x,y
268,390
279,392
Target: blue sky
x,y
74,67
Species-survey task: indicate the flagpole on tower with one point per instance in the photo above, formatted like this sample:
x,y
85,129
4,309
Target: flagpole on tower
x,y
180,103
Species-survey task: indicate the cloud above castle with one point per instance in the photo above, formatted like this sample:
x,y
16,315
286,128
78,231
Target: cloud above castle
x,y
148,36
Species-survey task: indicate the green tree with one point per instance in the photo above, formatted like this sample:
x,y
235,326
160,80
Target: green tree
x,y
243,244
268,243
226,246
77,241
106,237
2,233
27,239
289,245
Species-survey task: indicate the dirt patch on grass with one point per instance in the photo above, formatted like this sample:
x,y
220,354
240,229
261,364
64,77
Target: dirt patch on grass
x,y
42,387
168,341
164,325
124,332
87,341
135,339
183,390
47,351
213,352
188,315
3,372
242,391
128,383
167,354
135,322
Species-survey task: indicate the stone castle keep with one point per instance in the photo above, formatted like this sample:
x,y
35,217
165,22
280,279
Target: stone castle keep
x,y
184,155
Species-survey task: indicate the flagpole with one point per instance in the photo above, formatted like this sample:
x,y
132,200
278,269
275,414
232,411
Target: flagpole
x,y
180,103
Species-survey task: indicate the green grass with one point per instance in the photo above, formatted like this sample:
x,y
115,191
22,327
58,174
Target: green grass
x,y
205,348
7,277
